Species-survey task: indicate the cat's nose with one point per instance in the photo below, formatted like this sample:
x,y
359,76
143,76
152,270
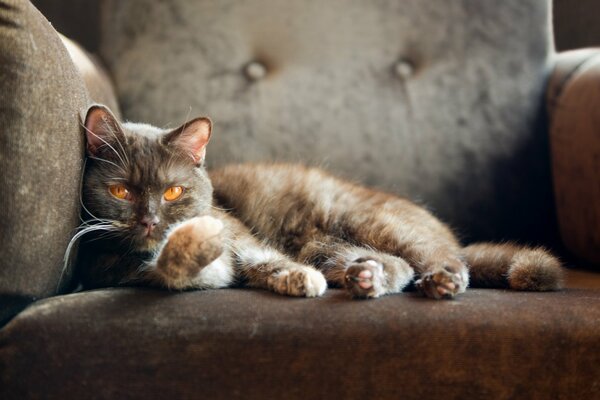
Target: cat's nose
x,y
149,222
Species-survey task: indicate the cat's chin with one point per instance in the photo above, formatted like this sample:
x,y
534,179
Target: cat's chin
x,y
147,244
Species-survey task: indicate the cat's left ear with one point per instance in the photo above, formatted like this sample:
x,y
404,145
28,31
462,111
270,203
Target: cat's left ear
x,y
192,138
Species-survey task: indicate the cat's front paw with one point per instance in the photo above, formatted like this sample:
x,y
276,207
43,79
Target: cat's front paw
x,y
364,278
441,283
298,281
191,246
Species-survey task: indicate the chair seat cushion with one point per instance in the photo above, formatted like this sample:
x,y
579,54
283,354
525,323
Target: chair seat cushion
x,y
238,343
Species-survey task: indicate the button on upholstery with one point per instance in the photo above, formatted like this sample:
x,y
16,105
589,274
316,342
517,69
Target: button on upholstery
x,y
404,69
255,71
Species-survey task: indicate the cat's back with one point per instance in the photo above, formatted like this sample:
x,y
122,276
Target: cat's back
x,y
255,188
253,184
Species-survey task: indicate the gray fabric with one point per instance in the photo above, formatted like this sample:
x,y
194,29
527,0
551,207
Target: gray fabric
x,y
252,344
462,134
41,153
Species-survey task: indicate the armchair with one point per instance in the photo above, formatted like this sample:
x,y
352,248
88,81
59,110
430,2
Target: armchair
x,y
442,101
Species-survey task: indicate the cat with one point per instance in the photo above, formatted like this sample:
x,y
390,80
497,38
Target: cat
x,y
156,217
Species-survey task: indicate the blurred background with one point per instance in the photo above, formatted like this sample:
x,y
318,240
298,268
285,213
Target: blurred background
x,y
576,22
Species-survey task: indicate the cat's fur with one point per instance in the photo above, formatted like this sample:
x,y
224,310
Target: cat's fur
x,y
287,228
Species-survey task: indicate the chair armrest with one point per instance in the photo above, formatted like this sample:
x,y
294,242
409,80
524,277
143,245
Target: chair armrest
x,y
573,100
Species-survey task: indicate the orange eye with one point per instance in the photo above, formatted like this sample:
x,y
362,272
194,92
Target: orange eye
x,y
173,193
120,192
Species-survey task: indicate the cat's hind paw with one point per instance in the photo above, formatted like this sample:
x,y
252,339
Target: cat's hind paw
x,y
364,278
439,284
300,282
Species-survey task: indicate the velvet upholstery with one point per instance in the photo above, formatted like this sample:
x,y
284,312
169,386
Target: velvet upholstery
x,y
252,344
41,155
480,69
462,131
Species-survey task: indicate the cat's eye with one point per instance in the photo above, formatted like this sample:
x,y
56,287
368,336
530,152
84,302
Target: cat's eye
x,y
120,192
173,193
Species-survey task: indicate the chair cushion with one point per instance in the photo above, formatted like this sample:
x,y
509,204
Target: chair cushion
x,y
41,154
440,101
251,344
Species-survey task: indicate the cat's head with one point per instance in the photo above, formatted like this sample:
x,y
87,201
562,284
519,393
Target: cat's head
x,y
142,179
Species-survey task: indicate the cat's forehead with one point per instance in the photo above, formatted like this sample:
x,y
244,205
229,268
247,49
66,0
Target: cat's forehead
x,y
133,129
151,163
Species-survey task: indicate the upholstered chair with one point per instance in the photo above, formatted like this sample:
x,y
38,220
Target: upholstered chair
x,y
463,106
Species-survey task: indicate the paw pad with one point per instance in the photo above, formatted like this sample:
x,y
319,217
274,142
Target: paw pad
x,y
364,278
440,284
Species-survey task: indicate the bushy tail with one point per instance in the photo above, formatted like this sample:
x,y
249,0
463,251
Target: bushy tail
x,y
511,266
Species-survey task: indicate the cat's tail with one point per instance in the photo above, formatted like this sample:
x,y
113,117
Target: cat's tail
x,y
511,266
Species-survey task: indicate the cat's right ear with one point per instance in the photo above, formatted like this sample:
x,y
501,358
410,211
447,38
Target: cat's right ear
x,y
191,138
101,129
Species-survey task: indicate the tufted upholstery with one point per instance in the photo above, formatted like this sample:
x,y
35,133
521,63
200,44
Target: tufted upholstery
x,y
440,99
458,126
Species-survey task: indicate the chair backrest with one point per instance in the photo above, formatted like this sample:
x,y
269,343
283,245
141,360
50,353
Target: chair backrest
x,y
437,100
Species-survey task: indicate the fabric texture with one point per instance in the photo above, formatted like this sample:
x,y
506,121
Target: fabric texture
x,y
252,344
440,101
41,154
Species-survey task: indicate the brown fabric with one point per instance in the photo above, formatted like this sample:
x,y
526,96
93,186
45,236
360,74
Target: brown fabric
x,y
574,101
582,279
251,344
576,23
41,149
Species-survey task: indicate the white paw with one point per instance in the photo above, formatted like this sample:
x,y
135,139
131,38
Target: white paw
x,y
306,282
200,228
314,283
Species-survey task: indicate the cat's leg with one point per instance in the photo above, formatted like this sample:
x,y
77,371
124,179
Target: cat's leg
x,y
267,268
365,273
443,275
405,230
195,256
264,267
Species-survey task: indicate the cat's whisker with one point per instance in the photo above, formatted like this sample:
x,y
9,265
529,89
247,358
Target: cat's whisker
x,y
113,133
73,241
220,208
100,221
106,235
81,192
109,162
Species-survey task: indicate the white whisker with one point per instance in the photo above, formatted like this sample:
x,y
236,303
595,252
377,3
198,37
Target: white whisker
x,y
107,161
75,238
